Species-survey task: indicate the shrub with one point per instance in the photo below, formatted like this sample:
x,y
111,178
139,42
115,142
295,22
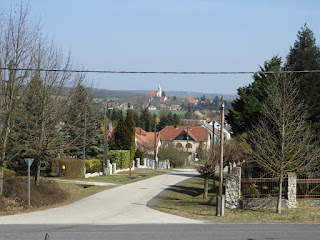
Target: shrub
x,y
176,156
139,154
68,167
46,193
8,172
93,165
120,157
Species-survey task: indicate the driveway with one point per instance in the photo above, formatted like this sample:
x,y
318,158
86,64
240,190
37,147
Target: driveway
x,y
125,204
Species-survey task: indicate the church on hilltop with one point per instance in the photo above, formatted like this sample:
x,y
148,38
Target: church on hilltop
x,y
156,94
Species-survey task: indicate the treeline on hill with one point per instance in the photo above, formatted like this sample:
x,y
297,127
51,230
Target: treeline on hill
x,y
145,120
206,104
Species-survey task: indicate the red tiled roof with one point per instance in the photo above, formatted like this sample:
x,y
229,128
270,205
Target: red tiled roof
x,y
192,100
110,132
146,142
151,93
198,133
140,131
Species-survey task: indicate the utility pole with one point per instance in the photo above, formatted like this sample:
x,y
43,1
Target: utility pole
x,y
212,152
105,155
187,146
155,142
220,202
84,136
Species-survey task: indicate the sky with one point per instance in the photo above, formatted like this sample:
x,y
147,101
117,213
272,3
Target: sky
x,y
173,35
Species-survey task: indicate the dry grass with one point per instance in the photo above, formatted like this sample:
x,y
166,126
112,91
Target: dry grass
x,y
48,194
186,200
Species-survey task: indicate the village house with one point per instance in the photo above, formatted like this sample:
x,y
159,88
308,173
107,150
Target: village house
x,y
187,138
145,141
192,100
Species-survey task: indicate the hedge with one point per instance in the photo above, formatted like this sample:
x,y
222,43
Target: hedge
x,y
139,154
93,165
120,157
67,167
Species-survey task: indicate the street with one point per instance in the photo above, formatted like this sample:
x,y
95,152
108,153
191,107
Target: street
x,y
219,231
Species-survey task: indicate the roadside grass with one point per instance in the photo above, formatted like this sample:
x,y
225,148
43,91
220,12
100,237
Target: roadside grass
x,y
186,200
124,178
78,191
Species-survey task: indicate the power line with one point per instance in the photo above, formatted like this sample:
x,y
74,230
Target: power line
x,y
154,72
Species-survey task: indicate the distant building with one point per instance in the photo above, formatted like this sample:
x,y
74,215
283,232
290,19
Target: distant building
x,y
152,107
156,94
192,100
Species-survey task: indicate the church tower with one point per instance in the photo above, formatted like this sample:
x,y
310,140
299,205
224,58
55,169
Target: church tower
x,y
159,93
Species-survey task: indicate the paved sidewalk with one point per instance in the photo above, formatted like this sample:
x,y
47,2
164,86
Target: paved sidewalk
x,y
125,204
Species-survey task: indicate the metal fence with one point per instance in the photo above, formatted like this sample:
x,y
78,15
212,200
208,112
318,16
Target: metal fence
x,y
262,187
308,188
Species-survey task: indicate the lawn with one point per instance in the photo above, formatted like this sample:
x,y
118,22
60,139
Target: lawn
x,y
124,178
186,200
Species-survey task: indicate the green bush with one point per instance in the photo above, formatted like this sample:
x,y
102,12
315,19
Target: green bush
x,y
67,167
120,157
93,165
8,172
176,156
139,154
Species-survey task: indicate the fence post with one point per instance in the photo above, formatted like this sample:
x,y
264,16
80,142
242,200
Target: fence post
x,y
114,168
292,190
138,162
144,162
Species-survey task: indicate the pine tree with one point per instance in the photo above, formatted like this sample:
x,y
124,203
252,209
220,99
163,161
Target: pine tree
x,y
305,55
131,129
246,110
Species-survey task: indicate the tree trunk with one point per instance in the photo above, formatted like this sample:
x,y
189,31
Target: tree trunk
x,y
1,179
205,189
280,194
214,178
37,173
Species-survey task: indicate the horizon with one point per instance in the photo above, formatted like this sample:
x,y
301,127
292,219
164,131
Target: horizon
x,y
172,35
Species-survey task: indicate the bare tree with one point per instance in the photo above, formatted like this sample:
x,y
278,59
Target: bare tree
x,y
282,141
17,35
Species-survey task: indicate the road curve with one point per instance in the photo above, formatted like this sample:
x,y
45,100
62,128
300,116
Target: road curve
x,y
125,204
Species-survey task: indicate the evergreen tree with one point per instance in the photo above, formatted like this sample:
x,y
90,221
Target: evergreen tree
x,y
146,120
131,129
77,121
246,110
305,55
120,137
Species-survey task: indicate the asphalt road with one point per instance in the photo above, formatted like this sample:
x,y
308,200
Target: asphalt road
x,y
126,204
220,231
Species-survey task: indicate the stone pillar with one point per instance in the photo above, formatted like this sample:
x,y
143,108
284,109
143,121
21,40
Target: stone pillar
x,y
292,190
232,191
133,165
114,168
138,162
